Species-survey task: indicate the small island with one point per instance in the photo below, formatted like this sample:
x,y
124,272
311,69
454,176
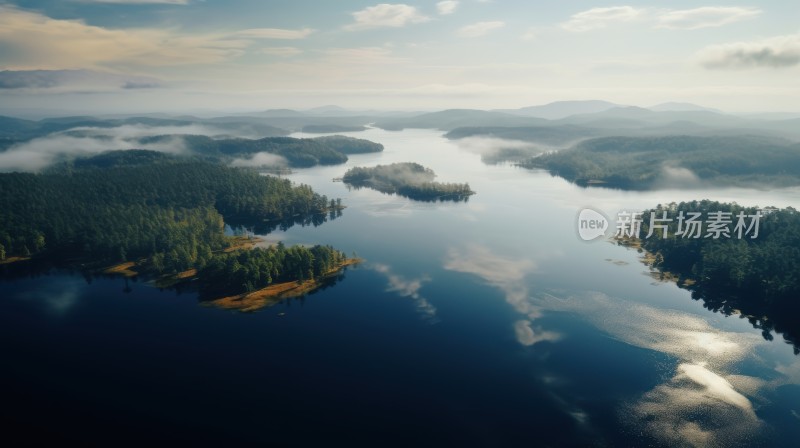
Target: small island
x,y
754,277
411,180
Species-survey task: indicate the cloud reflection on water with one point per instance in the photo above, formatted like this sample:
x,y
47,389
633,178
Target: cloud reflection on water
x,y
509,275
697,407
700,405
703,403
409,288
57,300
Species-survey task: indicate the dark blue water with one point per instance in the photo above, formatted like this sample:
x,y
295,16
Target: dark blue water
x,y
481,324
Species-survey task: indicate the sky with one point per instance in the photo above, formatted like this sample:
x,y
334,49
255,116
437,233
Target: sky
x,y
93,56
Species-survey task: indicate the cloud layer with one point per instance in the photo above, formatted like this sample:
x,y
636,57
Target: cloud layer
x,y
38,41
480,28
705,17
684,19
386,15
39,153
274,33
446,7
72,79
598,18
775,52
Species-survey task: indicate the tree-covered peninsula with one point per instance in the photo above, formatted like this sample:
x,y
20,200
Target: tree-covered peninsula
x,y
163,215
751,268
643,163
411,180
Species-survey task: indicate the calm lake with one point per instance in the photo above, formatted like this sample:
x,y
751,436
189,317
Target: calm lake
x,y
485,323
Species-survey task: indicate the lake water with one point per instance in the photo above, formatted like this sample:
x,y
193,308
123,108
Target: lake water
x,y
486,323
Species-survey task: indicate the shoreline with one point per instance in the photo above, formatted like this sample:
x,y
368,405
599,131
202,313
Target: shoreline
x,y
273,294
649,259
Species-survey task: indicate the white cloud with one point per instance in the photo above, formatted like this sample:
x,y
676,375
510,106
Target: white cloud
x,y
274,33
281,51
705,17
775,52
529,35
260,160
597,18
480,28
446,7
386,15
32,40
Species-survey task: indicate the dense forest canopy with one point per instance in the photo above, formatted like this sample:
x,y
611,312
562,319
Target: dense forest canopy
x,y
298,152
411,180
249,270
129,205
349,145
760,276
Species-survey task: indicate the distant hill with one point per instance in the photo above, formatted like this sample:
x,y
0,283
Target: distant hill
x,y
562,109
331,128
16,128
681,107
638,116
276,113
450,119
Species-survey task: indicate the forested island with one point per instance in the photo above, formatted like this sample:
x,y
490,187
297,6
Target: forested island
x,y
297,152
642,163
756,277
411,180
162,215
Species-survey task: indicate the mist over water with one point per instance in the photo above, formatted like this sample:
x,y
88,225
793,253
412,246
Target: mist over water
x,y
42,152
